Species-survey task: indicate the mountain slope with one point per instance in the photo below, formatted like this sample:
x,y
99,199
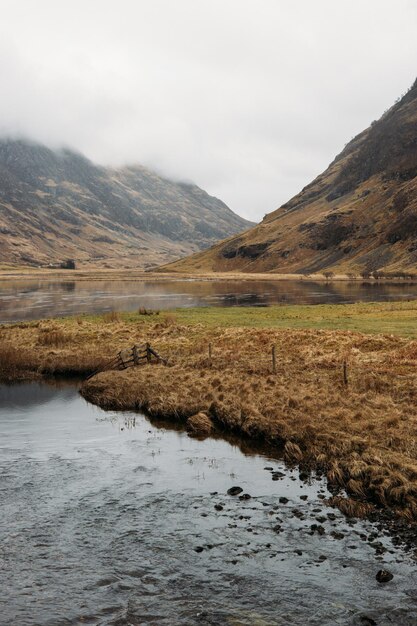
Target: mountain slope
x,y
359,215
57,205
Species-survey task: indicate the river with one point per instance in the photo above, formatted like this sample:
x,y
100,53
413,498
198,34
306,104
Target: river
x,y
27,299
109,519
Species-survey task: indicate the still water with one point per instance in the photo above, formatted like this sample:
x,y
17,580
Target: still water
x,y
109,519
35,299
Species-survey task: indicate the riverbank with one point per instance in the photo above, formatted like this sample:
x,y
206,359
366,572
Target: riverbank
x,y
355,422
99,506
88,272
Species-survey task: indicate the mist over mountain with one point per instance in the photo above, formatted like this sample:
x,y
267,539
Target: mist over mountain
x,y
58,204
360,215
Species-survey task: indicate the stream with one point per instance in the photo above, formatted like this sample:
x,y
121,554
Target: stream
x,y
109,519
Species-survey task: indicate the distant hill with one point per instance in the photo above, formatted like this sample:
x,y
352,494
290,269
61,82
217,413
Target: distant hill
x,y
360,215
58,205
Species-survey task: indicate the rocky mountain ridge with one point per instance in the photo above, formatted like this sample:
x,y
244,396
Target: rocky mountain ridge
x,y
58,204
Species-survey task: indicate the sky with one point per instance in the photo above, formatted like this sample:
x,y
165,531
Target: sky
x,y
250,99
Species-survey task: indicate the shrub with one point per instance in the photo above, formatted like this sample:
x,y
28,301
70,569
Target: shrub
x,y
68,264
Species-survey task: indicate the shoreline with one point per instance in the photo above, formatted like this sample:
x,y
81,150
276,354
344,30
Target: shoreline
x,y
360,432
138,275
398,526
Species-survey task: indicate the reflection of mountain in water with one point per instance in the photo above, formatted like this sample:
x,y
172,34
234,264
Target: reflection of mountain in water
x,y
24,300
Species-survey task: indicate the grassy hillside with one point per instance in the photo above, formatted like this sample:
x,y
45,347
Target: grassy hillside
x,y
57,205
360,215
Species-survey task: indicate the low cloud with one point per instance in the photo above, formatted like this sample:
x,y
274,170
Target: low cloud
x,y
250,99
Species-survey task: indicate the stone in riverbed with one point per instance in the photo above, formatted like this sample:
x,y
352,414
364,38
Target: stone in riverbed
x,y
283,500
384,576
367,621
234,491
245,496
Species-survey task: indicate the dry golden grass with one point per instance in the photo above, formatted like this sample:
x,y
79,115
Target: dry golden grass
x,y
111,316
56,338
363,436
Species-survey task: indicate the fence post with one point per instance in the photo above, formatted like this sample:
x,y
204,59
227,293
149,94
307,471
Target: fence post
x,y
345,374
135,355
274,362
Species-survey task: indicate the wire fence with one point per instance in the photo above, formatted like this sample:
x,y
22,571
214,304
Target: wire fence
x,y
262,360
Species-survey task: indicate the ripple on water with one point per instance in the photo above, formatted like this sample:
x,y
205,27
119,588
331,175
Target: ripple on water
x,y
139,529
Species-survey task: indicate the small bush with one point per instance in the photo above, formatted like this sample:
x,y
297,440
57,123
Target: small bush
x,y
68,264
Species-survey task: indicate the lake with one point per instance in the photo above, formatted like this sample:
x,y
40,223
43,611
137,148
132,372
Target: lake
x,y
34,299
109,519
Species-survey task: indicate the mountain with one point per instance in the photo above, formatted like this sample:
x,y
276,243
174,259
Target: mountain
x,y
57,204
359,216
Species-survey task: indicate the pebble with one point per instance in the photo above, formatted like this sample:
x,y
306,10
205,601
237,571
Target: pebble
x,y
384,576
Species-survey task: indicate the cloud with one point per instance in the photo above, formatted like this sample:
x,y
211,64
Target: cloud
x,y
248,98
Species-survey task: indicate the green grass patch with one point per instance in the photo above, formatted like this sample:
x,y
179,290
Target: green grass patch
x,y
398,318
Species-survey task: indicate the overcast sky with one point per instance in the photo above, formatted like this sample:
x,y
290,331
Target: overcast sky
x,y
250,99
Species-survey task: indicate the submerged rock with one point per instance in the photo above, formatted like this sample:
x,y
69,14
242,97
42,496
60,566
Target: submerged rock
x,y
234,491
384,576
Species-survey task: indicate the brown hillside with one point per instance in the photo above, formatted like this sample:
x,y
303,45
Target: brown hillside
x,y
58,205
359,215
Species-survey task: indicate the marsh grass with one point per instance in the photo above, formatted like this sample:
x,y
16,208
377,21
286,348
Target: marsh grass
x,y
13,363
56,338
111,317
363,436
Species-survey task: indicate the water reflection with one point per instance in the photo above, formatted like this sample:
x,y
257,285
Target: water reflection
x,y
34,299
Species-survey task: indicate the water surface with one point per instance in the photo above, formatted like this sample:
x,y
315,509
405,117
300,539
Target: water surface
x,y
35,299
108,519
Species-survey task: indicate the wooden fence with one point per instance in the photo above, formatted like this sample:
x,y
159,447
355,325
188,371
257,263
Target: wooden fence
x,y
130,357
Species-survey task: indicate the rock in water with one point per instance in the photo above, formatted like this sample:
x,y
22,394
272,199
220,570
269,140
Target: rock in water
x,y
234,491
384,576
